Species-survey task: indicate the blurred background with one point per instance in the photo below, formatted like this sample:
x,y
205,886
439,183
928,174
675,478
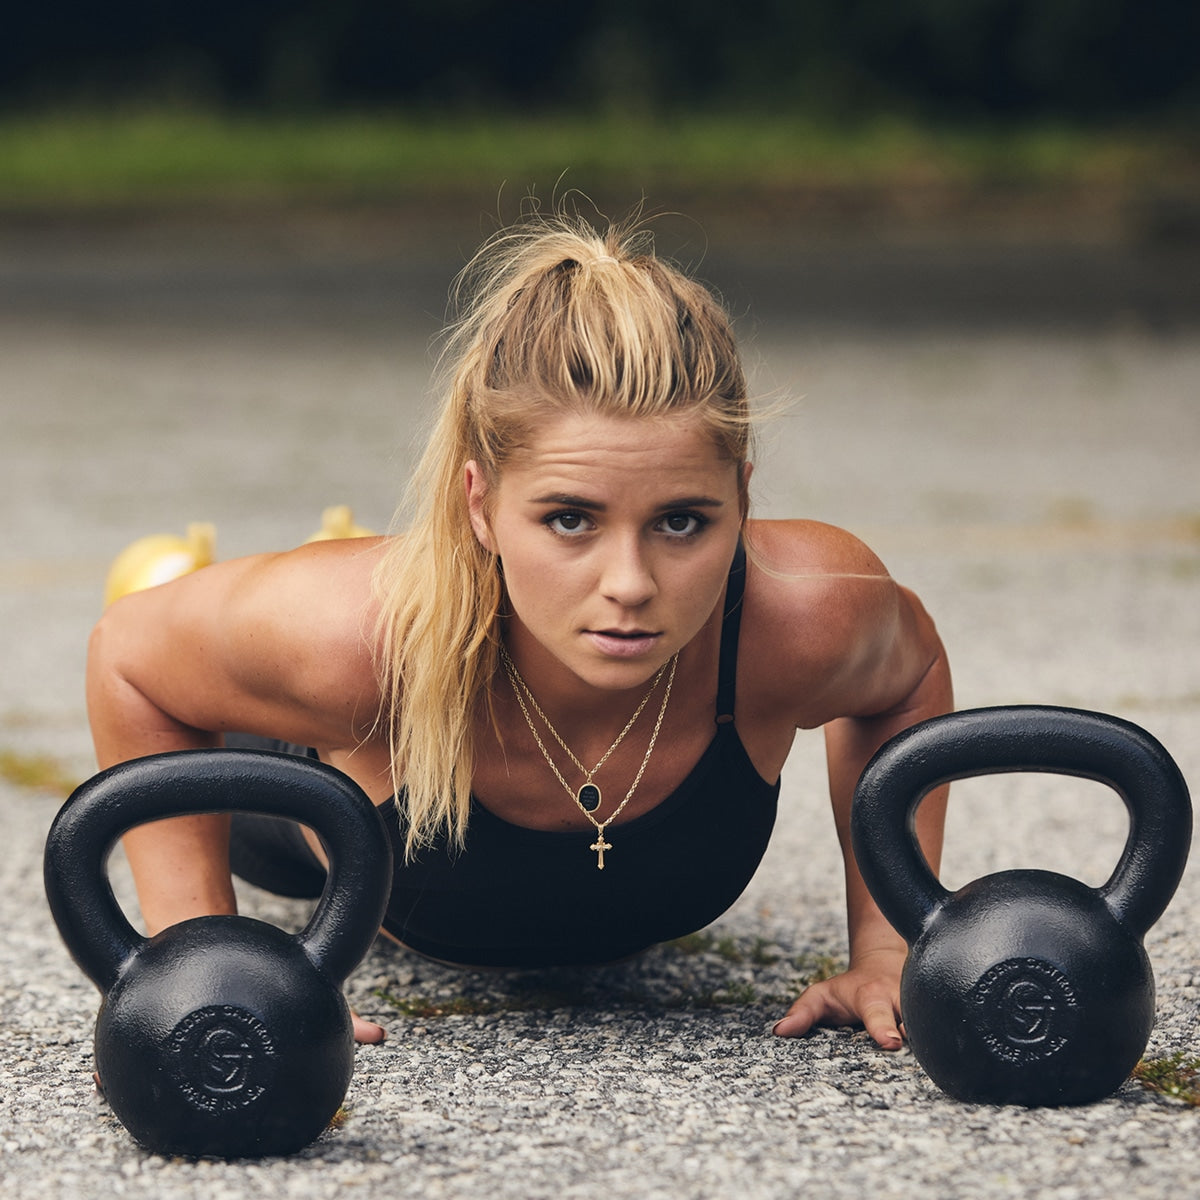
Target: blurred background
x,y
961,238
870,113
1078,59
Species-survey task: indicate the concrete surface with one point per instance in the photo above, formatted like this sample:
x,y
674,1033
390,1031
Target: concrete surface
x,y
1032,473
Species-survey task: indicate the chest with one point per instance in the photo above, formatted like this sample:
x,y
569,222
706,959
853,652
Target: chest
x,y
526,777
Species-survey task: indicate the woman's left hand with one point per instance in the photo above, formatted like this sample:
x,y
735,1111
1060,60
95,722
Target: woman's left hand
x,y
868,994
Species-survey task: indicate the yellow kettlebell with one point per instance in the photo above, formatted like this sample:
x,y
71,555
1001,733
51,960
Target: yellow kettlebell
x,y
338,522
159,558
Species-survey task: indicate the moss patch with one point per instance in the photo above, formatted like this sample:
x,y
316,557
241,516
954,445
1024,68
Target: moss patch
x,y
735,995
718,971
463,1005
1177,1076
37,772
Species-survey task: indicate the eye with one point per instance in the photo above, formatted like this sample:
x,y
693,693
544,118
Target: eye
x,y
683,524
566,523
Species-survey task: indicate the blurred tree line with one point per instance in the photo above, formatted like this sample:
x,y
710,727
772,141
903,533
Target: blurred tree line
x,y
925,59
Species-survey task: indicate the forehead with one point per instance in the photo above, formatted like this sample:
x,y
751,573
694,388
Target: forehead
x,y
629,451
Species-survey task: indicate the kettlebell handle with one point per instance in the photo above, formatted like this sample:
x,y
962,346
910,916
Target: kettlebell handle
x,y
1005,739
189,782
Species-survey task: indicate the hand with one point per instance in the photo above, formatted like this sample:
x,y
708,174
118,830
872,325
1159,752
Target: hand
x,y
367,1032
867,994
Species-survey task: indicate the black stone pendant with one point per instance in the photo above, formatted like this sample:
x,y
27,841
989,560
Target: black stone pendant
x,y
589,797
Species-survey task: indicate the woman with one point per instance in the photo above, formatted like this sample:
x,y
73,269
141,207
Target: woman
x,y
573,681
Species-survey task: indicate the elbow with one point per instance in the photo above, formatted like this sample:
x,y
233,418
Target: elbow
x,y
109,690
932,692
102,646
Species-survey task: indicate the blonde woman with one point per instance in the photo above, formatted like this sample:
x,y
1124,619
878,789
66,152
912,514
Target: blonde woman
x,y
572,682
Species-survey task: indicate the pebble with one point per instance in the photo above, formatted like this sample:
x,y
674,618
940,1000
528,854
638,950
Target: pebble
x,y
644,1083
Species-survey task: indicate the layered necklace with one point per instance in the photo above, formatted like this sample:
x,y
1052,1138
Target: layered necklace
x,y
587,796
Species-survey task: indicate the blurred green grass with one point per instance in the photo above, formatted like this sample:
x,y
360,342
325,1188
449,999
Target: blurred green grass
x,y
81,160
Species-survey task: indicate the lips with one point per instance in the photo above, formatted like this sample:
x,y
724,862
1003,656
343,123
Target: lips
x,y
622,643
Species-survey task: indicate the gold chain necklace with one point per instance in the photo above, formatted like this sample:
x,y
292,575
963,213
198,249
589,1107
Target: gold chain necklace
x,y
588,796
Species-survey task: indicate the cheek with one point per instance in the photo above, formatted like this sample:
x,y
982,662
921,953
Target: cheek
x,y
703,590
547,604
537,579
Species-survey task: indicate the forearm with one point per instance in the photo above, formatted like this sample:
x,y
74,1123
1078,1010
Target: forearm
x,y
181,869
850,743
180,866
889,672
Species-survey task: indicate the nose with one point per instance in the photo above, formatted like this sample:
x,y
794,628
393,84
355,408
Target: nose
x,y
626,577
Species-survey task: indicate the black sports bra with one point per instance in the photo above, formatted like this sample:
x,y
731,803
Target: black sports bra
x,y
521,897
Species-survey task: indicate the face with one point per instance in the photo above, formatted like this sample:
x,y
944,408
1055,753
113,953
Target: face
x,y
616,537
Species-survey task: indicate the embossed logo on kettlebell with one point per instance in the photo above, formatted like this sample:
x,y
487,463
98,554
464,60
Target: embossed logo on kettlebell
x,y
1025,1009
222,1057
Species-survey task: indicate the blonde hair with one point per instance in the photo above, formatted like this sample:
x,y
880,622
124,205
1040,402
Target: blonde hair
x,y
558,318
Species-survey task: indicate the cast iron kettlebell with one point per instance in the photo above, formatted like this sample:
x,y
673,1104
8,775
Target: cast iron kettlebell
x,y
221,1035
1024,987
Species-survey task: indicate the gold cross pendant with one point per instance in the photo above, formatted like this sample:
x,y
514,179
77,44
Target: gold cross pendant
x,y
600,845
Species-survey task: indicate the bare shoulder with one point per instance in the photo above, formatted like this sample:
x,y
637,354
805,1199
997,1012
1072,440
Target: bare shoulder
x,y
795,566
274,643
824,621
306,617
320,582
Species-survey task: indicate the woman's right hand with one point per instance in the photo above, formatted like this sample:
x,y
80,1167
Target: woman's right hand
x,y
367,1033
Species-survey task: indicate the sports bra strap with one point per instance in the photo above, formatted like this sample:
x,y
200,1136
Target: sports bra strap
x,y
730,627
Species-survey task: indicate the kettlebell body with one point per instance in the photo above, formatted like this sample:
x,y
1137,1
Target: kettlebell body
x,y
221,1035
214,1020
1024,987
159,558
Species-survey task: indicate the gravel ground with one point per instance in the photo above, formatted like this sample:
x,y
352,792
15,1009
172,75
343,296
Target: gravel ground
x,y
1036,483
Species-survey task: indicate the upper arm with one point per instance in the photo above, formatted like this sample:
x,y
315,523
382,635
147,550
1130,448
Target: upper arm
x,y
848,641
274,644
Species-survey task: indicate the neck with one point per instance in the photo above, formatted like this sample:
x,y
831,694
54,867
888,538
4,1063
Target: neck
x,y
567,698
589,796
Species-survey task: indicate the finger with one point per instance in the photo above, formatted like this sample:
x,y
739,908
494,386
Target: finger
x,y
367,1032
796,1023
816,1006
879,1020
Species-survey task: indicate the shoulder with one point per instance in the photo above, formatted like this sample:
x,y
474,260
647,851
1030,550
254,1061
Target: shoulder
x,y
825,625
274,643
798,568
798,545
307,611
317,581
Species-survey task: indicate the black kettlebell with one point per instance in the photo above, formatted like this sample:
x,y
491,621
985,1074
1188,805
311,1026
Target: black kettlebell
x,y
221,1035
1024,987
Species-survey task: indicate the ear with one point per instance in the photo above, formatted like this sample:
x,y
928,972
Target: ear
x,y
477,488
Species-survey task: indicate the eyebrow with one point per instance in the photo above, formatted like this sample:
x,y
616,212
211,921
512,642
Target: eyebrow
x,y
568,501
